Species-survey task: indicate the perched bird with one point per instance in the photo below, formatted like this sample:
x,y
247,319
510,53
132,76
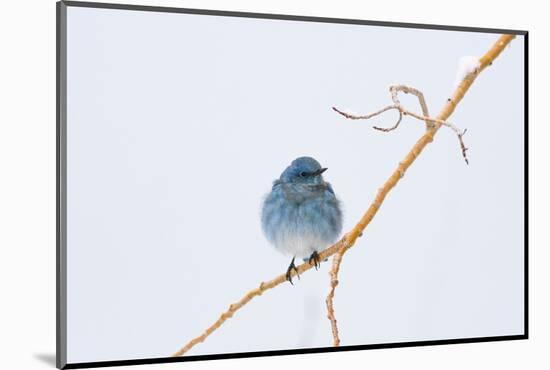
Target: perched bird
x,y
301,215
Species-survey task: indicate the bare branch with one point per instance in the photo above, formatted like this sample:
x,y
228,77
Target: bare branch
x,y
350,238
336,261
462,146
262,288
411,90
430,122
393,127
351,116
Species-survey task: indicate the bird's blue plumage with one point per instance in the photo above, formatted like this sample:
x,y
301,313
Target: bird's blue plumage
x,y
301,214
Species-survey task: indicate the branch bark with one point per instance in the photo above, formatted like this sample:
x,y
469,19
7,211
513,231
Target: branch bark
x,y
430,122
336,261
350,238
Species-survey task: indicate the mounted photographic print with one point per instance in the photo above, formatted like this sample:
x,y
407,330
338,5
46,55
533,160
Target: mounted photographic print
x,y
238,185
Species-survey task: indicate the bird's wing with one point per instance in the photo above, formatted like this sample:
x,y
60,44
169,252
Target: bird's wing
x,y
275,184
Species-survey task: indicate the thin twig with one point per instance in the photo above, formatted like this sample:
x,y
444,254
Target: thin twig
x,y
430,122
411,90
351,116
336,261
350,238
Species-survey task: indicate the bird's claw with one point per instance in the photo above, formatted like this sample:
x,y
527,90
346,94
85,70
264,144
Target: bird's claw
x,y
291,267
315,258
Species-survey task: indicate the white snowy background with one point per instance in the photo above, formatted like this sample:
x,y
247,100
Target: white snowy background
x,y
177,124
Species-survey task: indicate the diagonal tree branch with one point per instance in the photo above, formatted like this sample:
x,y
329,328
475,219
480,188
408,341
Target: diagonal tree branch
x,y
432,125
350,238
430,122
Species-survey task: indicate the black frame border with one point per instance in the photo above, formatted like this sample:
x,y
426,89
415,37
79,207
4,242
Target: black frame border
x,y
61,183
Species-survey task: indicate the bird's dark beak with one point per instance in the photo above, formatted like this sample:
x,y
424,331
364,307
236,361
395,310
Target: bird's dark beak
x,y
318,172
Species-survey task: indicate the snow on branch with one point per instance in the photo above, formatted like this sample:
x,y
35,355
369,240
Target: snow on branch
x,y
466,65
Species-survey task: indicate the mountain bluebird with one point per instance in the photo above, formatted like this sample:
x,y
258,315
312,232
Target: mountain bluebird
x,y
301,215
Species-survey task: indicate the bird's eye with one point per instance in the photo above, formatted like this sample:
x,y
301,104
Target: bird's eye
x,y
303,174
